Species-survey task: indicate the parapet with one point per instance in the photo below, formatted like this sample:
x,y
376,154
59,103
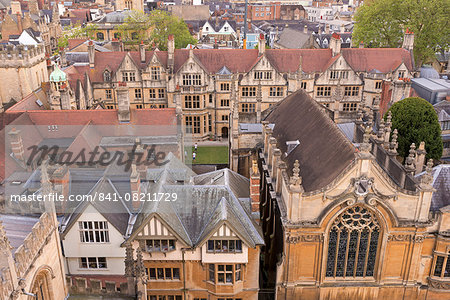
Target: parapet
x,y
20,55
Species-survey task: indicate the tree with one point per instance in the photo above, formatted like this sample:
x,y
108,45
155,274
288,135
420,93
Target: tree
x,y
381,23
77,31
136,27
416,121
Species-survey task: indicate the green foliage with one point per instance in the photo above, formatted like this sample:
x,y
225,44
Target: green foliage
x,y
416,121
381,23
75,32
137,25
165,25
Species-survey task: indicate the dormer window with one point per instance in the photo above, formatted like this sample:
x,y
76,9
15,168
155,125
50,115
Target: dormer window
x,y
224,246
159,245
107,76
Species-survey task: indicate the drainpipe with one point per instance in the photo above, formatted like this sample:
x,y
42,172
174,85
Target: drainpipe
x,y
184,270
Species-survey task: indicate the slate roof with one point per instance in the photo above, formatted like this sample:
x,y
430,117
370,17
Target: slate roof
x,y
17,228
294,39
324,151
203,202
441,182
443,110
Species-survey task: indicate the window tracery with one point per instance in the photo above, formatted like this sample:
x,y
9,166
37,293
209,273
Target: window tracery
x,y
353,244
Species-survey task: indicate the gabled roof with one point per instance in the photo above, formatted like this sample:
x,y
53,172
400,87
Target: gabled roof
x,y
324,151
203,202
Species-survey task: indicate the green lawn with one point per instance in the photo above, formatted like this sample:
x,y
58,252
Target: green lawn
x,y
209,155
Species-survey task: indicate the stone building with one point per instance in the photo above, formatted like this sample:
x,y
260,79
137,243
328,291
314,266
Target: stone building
x,y
342,218
205,84
32,260
130,5
46,26
23,70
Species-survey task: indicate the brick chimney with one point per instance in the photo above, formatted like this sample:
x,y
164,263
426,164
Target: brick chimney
x,y
116,45
335,44
123,103
170,51
254,187
135,183
261,44
91,54
142,51
16,144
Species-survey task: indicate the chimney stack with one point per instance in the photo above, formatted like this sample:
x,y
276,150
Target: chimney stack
x,y
261,44
254,188
327,28
116,45
305,29
17,144
135,184
361,45
170,52
335,44
142,51
408,40
65,97
16,8
19,22
91,54
123,103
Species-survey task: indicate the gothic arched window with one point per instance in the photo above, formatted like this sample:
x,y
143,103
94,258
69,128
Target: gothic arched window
x,y
353,244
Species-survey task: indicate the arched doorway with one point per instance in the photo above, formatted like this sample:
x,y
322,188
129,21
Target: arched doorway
x,y
42,286
224,132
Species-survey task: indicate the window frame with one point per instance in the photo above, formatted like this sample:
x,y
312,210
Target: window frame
x,y
90,260
90,233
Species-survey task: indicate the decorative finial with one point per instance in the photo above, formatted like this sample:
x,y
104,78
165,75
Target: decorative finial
x,y
389,119
393,144
365,145
255,171
140,268
129,261
409,162
4,241
296,179
427,178
380,133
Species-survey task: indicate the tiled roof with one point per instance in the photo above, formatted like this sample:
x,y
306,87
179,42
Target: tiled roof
x,y
383,59
242,60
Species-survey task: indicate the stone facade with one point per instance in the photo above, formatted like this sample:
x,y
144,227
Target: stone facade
x,y
23,70
206,84
368,233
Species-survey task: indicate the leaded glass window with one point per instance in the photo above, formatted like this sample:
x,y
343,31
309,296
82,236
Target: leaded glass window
x,y
353,243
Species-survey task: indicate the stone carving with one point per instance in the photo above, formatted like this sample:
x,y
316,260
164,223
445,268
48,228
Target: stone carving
x,y
363,185
437,284
399,237
306,238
